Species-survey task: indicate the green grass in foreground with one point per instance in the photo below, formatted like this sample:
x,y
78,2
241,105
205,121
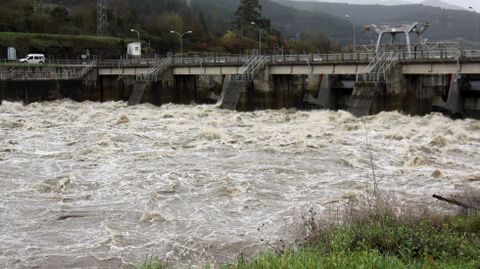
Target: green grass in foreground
x,y
151,264
379,238
351,259
383,240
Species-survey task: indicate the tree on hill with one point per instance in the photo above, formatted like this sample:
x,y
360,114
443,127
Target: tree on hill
x,y
249,11
59,14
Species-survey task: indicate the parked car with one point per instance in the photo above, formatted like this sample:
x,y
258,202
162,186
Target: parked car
x,y
33,59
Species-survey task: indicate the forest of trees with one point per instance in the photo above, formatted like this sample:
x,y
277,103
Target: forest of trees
x,y
229,31
219,26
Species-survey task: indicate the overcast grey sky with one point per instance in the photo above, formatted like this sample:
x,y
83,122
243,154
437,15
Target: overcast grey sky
x,y
462,3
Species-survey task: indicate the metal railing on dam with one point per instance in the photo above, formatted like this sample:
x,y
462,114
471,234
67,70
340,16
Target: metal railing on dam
x,y
421,55
57,74
68,71
333,57
75,69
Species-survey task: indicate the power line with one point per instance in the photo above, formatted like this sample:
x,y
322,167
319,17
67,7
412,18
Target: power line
x,y
101,17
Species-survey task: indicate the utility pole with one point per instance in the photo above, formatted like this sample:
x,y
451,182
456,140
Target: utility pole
x,y
353,31
180,37
138,34
476,25
259,37
40,6
101,17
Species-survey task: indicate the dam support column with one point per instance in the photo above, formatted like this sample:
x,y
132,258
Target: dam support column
x,y
138,92
469,88
392,98
319,92
247,92
454,103
363,96
2,88
234,93
262,93
209,89
418,97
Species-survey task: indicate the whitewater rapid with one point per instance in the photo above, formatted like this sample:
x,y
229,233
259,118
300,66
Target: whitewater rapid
x,y
104,185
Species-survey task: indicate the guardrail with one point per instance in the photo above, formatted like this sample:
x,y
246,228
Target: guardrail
x,y
200,60
422,55
128,62
217,59
440,55
70,62
274,59
40,75
66,62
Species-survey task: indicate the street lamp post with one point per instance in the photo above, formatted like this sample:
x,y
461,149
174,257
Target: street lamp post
x,y
180,36
259,37
138,34
476,25
354,32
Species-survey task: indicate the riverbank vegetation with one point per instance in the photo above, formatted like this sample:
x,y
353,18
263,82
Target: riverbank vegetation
x,y
225,26
62,46
217,26
378,234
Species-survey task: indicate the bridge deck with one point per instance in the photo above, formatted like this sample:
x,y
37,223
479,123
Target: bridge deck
x,y
420,62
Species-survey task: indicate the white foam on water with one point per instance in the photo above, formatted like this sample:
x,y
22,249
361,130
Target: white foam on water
x,y
104,184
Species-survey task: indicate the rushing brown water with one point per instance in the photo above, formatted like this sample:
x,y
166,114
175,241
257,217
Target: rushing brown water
x,y
105,185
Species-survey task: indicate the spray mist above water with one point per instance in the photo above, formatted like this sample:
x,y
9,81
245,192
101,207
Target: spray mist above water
x,y
105,185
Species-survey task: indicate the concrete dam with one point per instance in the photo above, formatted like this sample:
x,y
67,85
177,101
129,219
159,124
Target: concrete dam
x,y
414,83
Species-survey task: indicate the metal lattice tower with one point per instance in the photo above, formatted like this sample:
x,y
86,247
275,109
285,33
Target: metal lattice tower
x,y
399,28
101,17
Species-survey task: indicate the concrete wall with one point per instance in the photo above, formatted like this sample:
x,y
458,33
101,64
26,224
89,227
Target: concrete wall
x,y
273,92
183,89
114,88
46,90
159,93
418,98
209,88
411,94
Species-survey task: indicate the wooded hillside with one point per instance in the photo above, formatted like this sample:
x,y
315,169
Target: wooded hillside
x,y
295,26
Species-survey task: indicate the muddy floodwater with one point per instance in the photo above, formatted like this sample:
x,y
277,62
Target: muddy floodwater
x,y
104,185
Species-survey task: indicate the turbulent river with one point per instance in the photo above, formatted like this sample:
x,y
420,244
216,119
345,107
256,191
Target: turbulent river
x,y
104,185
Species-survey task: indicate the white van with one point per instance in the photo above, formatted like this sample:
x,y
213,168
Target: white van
x,y
33,59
